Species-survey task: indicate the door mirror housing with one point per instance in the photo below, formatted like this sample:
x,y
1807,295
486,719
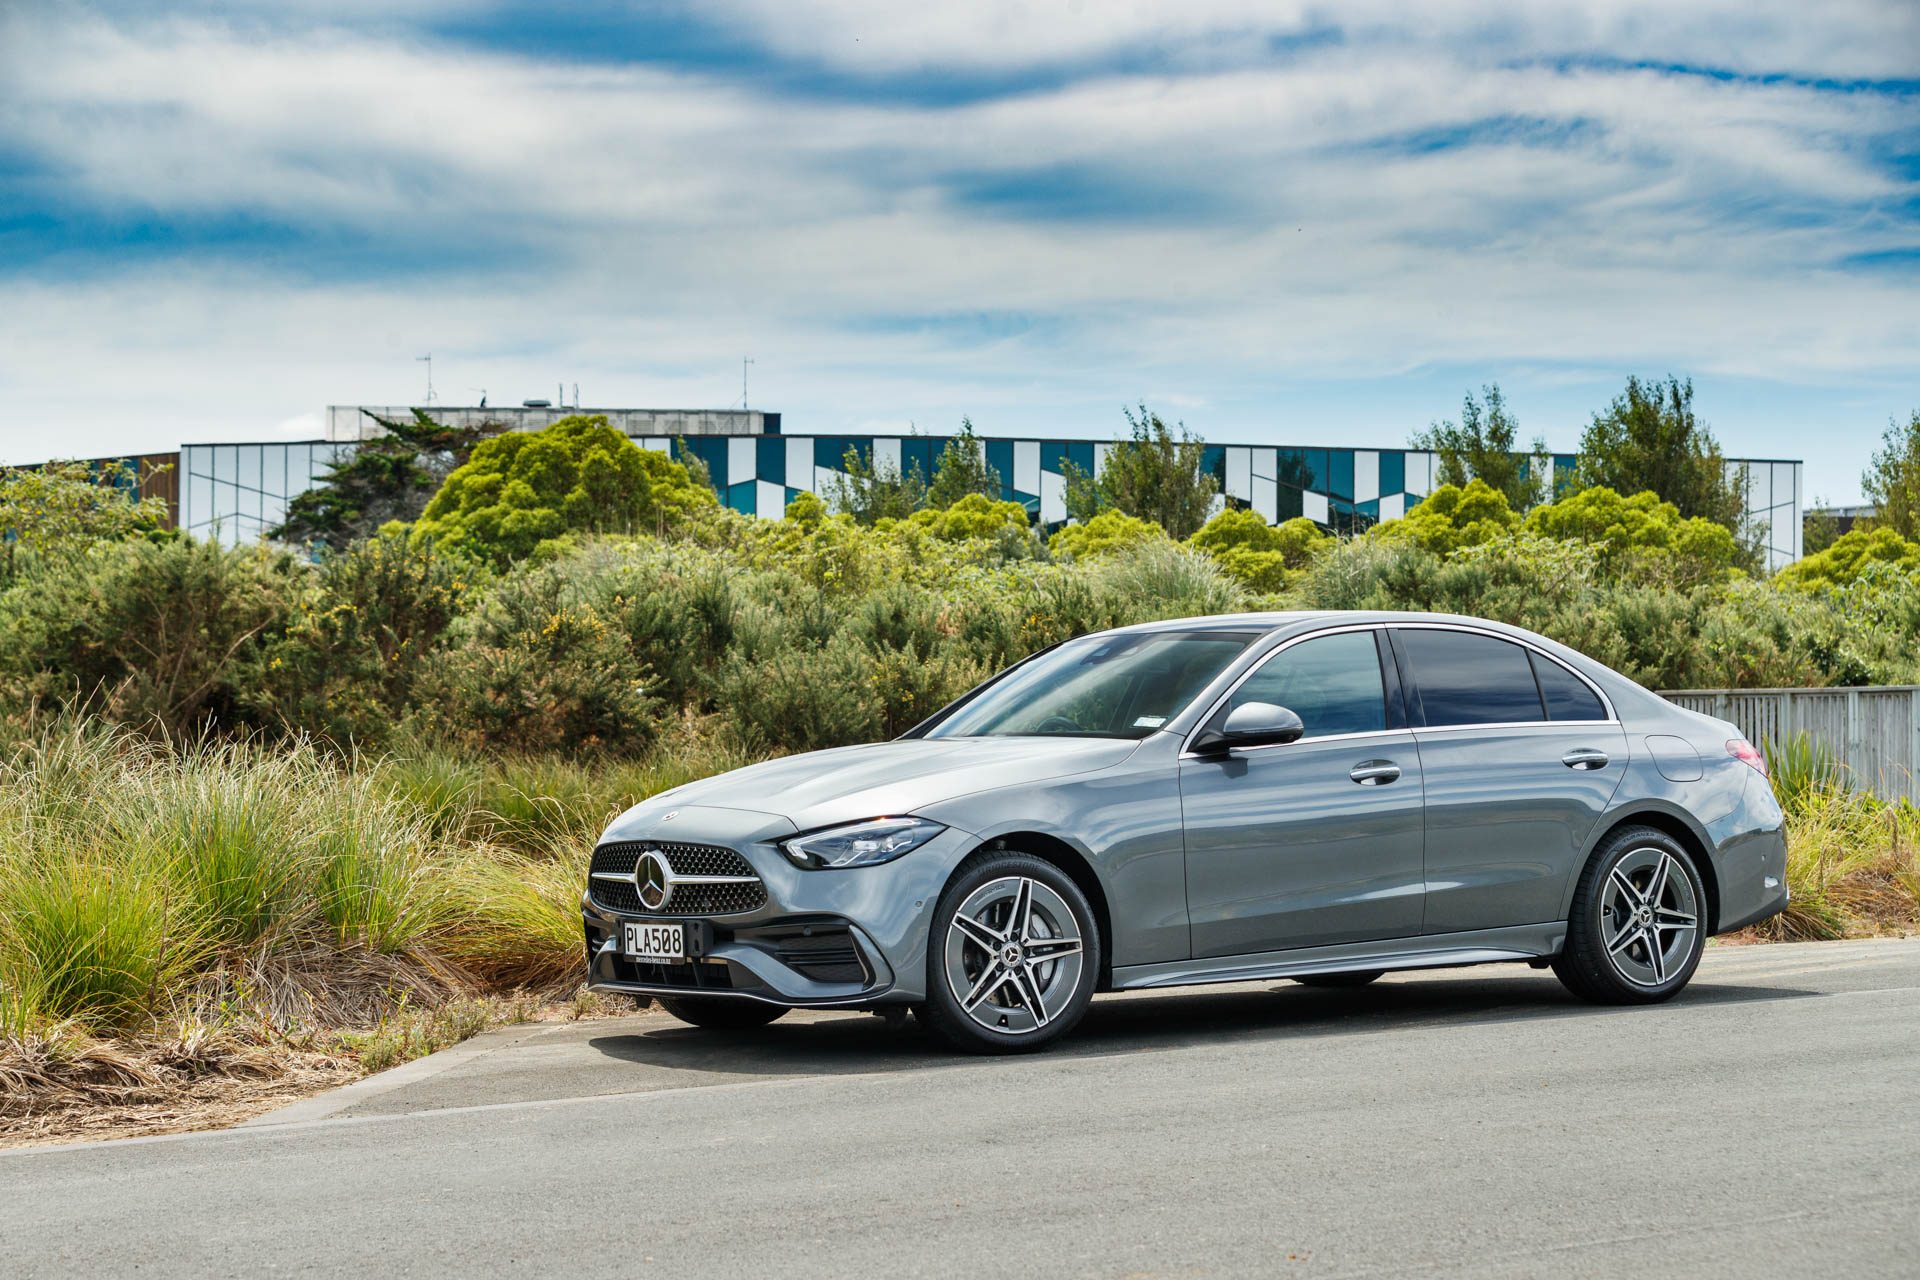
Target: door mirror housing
x,y
1251,724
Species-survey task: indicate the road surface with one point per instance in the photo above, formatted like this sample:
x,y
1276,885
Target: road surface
x,y
1462,1123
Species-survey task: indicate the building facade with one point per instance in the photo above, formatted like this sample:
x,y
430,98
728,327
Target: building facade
x,y
237,492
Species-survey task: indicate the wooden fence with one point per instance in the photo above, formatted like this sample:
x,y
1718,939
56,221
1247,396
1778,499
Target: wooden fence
x,y
1873,732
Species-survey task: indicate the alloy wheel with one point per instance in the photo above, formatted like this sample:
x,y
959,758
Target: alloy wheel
x,y
1013,955
1650,916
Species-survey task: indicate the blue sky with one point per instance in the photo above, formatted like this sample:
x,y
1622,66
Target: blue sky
x,y
1285,222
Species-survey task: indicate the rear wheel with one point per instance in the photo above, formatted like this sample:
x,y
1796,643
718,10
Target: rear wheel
x,y
1337,980
1012,958
1638,924
721,1014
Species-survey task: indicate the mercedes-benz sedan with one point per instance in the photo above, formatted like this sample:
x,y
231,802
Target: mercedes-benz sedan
x,y
1316,796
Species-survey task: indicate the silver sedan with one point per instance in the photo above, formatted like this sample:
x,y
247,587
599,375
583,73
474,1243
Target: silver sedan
x,y
1316,796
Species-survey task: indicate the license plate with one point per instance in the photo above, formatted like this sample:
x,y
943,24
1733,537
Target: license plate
x,y
659,943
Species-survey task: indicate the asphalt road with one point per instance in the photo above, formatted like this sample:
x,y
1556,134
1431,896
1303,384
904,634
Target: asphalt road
x,y
1469,1122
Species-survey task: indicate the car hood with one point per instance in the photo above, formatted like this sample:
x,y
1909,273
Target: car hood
x,y
882,779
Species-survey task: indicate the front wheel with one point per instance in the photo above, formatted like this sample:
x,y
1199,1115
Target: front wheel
x,y
1012,957
720,1013
1638,924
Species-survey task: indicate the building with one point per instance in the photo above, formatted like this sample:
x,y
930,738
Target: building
x,y
237,492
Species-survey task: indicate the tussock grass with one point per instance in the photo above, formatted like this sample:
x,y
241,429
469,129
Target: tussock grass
x,y
168,914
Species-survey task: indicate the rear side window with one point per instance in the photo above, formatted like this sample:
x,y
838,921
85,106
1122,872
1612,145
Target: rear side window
x,y
1464,678
1567,695
1332,683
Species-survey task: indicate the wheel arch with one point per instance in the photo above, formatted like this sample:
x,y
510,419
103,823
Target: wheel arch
x,y
1076,867
1683,833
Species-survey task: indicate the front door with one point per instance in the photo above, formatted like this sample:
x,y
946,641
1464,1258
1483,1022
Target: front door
x,y
1316,841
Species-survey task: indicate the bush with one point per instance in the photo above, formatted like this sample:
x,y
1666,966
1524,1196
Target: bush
x,y
1641,535
522,491
1105,533
166,635
1453,517
1850,557
1262,557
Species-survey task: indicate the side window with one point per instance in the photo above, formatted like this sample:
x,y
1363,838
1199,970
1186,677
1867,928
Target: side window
x,y
1567,695
1464,678
1332,683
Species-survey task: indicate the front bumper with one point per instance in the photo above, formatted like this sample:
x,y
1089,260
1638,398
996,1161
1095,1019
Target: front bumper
x,y
848,938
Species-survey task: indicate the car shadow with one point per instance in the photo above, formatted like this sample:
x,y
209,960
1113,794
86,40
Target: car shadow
x,y
859,1043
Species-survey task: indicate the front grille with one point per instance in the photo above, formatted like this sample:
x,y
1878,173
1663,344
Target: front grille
x,y
826,956
685,860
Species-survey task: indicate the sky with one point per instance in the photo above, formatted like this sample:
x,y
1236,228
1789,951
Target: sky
x,y
1278,222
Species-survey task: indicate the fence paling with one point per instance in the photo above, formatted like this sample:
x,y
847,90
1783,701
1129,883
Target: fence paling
x,y
1873,732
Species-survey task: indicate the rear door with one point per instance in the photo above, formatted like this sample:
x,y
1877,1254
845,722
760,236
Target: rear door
x,y
1520,756
1315,841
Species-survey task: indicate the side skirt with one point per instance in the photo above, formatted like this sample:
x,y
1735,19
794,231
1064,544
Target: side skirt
x,y
1433,951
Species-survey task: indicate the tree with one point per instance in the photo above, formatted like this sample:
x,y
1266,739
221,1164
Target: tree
x,y
388,478
579,475
1262,556
62,508
973,515
1481,447
1819,528
963,469
1154,475
872,491
1892,479
1649,439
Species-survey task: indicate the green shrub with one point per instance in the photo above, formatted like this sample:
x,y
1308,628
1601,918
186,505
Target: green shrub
x,y
168,636
1850,557
1104,534
1260,556
522,491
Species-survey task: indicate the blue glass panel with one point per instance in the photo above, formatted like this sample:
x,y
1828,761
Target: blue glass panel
x,y
1000,458
917,451
1287,504
1303,468
1054,456
1340,472
1393,471
711,450
828,450
742,497
770,459
792,493
1080,454
1213,461
1370,508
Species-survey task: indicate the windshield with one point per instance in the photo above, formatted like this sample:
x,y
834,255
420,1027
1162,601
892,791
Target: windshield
x,y
1111,686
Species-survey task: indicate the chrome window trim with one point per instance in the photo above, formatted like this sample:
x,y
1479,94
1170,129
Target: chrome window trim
x,y
1613,714
1186,746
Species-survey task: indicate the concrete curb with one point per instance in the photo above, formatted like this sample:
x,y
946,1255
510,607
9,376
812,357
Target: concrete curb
x,y
334,1101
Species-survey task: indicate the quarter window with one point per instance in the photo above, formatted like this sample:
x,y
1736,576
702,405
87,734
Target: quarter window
x,y
1331,682
1464,678
1568,696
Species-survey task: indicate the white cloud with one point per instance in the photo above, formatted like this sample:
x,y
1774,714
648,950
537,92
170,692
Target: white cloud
x,y
637,228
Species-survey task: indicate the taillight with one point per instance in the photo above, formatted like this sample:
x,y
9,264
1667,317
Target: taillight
x,y
1741,749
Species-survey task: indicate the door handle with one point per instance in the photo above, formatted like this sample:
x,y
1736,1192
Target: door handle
x,y
1585,758
1374,773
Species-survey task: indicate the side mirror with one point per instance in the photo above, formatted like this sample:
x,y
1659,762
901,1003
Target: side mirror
x,y
1252,724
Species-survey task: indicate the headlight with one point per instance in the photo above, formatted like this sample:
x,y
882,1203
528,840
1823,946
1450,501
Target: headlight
x,y
861,844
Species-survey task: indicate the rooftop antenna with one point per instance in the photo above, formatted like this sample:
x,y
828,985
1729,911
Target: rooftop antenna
x,y
576,395
428,360
744,362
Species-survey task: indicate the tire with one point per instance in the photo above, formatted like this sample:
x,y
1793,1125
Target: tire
x,y
718,1013
1623,948
1359,978
1007,1000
